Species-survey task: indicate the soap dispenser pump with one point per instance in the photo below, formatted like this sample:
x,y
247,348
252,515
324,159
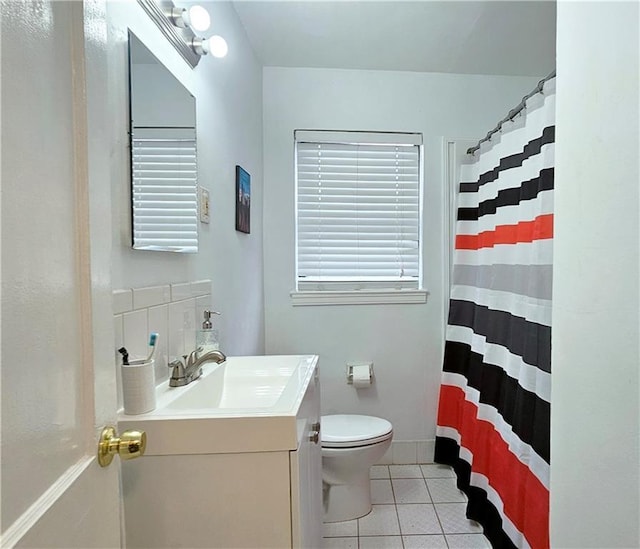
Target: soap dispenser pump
x,y
207,338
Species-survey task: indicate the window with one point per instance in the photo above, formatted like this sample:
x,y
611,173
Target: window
x,y
165,213
358,211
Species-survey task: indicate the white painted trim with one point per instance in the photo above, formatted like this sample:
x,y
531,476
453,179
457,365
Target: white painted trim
x,y
423,451
450,149
83,228
448,159
358,137
37,510
358,297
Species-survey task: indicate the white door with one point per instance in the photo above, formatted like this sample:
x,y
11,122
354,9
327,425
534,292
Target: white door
x,y
58,378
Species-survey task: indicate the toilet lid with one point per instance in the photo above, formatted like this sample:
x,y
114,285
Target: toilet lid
x,y
349,431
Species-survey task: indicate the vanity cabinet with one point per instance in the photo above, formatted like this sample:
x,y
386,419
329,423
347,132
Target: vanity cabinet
x,y
306,472
228,491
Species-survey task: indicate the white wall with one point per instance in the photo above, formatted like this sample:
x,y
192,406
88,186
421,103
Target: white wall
x,y
595,411
405,342
229,125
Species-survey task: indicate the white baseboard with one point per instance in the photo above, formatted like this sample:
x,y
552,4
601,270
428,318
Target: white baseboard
x,y
407,452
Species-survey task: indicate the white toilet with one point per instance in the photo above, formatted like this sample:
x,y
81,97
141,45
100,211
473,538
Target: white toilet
x,y
351,444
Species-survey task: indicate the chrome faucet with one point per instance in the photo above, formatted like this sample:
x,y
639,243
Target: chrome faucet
x,y
185,372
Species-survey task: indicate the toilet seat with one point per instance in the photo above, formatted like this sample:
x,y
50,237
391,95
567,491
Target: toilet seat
x,y
353,431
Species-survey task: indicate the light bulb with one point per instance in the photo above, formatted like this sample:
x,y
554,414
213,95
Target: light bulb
x,y
217,46
198,18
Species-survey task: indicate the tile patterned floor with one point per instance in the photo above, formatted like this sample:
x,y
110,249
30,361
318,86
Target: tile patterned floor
x,y
414,507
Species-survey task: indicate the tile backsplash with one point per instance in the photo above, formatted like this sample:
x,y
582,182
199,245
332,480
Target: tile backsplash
x,y
174,311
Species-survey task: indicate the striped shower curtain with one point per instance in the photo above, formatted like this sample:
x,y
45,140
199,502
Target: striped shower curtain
x,y
494,408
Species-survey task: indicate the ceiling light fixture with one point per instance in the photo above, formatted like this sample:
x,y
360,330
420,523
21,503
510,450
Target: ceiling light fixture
x,y
184,29
198,19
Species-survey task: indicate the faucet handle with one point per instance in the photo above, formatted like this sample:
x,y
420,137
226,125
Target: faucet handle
x,y
198,352
190,359
178,368
178,373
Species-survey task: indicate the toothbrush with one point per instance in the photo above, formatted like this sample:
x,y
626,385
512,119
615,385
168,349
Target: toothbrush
x,y
125,356
153,341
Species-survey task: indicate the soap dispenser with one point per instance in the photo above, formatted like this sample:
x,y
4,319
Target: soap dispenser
x,y
207,338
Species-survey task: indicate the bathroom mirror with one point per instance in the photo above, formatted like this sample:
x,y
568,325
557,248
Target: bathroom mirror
x,y
164,172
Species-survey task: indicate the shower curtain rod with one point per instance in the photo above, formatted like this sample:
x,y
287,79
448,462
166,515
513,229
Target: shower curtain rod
x,y
513,112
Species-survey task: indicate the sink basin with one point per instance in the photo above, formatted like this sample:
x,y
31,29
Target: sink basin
x,y
241,404
238,385
227,389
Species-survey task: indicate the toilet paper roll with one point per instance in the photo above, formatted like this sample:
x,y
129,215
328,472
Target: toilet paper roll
x,y
138,387
361,376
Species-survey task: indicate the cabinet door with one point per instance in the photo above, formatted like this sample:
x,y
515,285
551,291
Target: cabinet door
x,y
306,475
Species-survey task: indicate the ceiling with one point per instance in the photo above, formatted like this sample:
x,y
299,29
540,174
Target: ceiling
x,y
472,37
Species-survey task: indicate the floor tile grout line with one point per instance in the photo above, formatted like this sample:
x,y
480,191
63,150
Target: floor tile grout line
x,y
432,503
358,527
399,527
395,506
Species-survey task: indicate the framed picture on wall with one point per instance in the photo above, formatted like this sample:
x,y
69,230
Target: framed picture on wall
x,y
243,201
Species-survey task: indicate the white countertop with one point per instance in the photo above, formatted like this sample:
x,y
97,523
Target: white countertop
x,y
246,404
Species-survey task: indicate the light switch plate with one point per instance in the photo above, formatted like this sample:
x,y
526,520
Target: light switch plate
x,y
204,204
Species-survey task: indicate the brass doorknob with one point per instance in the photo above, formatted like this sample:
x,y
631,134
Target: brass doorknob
x,y
131,444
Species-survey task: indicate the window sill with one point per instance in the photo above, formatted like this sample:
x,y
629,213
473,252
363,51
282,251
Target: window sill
x,y
357,297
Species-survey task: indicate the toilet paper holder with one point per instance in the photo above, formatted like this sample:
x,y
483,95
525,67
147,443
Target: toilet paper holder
x,y
352,365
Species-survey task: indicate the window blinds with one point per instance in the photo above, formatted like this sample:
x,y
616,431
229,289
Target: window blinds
x,y
358,210
164,189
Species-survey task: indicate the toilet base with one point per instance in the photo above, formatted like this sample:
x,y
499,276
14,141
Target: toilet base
x,y
347,501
